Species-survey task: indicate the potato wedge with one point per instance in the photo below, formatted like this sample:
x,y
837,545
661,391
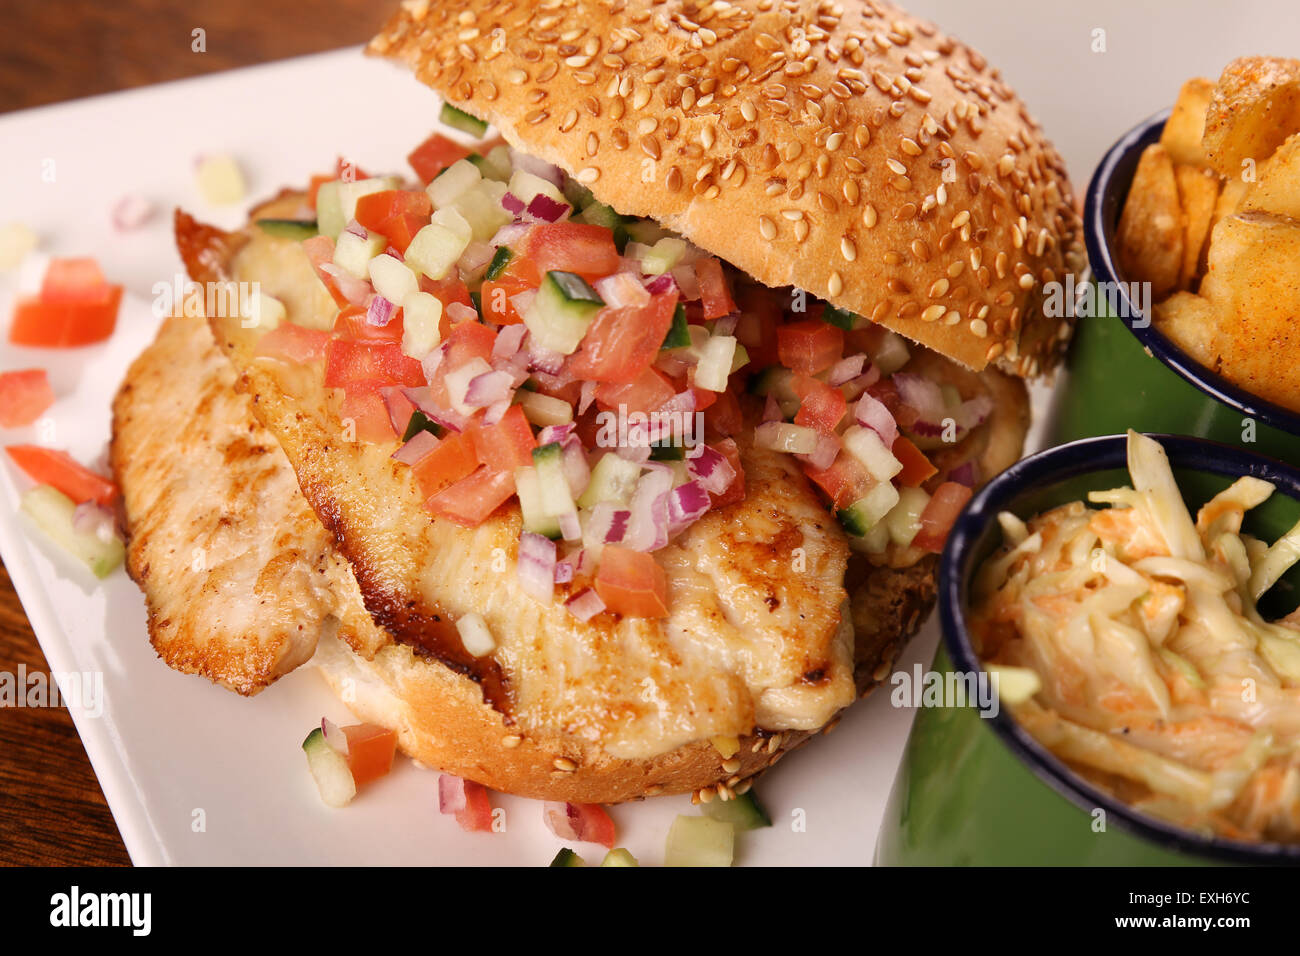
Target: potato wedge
x,y
1253,285
1198,192
1191,323
1278,189
1151,226
1255,107
1186,125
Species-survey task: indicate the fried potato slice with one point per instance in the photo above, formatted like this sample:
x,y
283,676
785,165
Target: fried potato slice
x,y
1191,323
1255,107
1151,226
1253,284
1198,191
1278,189
1186,124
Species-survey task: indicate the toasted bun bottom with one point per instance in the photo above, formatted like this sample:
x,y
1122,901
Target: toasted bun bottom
x,y
441,720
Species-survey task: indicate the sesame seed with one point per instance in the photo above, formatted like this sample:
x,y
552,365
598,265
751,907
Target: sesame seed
x,y
511,741
647,126
869,216
707,137
801,230
536,117
588,176
564,764
952,318
516,76
835,285
767,228
706,796
833,141
939,288
654,76
674,180
933,313
896,167
650,146
731,766
848,250
744,786
569,121
851,192
1026,281
905,212
901,183
910,147
794,215
593,144
941,194
956,269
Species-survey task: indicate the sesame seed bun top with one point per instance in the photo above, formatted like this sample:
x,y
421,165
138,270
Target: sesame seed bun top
x,y
845,148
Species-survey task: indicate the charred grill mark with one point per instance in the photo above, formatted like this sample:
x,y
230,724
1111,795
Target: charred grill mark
x,y
815,676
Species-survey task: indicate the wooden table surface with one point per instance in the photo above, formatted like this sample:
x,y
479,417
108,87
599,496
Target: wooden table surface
x,y
52,811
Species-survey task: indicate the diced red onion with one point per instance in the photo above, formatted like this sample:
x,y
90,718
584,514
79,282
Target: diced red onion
x,y
686,281
398,406
477,255
489,388
546,209
570,526
536,566
496,411
555,433
772,410
538,167
380,311
335,737
608,524
823,456
509,234
522,300
856,386
564,571
509,340
421,443
585,605
131,212
846,369
587,396
576,469
512,204
451,794
544,360
355,290
637,453
687,503
356,229
671,365
964,474
711,469
682,403
622,290
872,413
922,395
972,413
446,417
460,312
661,284
648,529
91,518
726,325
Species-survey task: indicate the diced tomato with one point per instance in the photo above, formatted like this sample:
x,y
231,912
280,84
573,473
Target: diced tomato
x,y
632,583
621,343
320,252
521,269
715,293
24,397
341,167
293,343
447,464
400,408
396,214
351,324
476,817
724,417
917,469
495,295
704,399
365,408
469,340
756,327
370,751
508,444
584,822
72,280
647,392
844,482
348,360
434,155
572,247
471,500
736,490
809,346
46,466
820,406
939,515
448,290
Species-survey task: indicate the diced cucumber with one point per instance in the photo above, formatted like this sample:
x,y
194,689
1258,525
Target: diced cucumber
x,y
619,857
700,841
875,541
892,354
495,165
481,207
475,635
667,452
353,254
567,857
577,195
646,231
714,368
460,120
525,186
529,488
663,255
421,321
392,278
556,499
329,769
435,249
544,409
739,358
783,436
743,812
679,335
288,228
598,214
775,380
499,262
262,311
52,511
613,479
861,516
476,299
904,520
336,201
421,422
452,181
841,318
867,447
561,311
